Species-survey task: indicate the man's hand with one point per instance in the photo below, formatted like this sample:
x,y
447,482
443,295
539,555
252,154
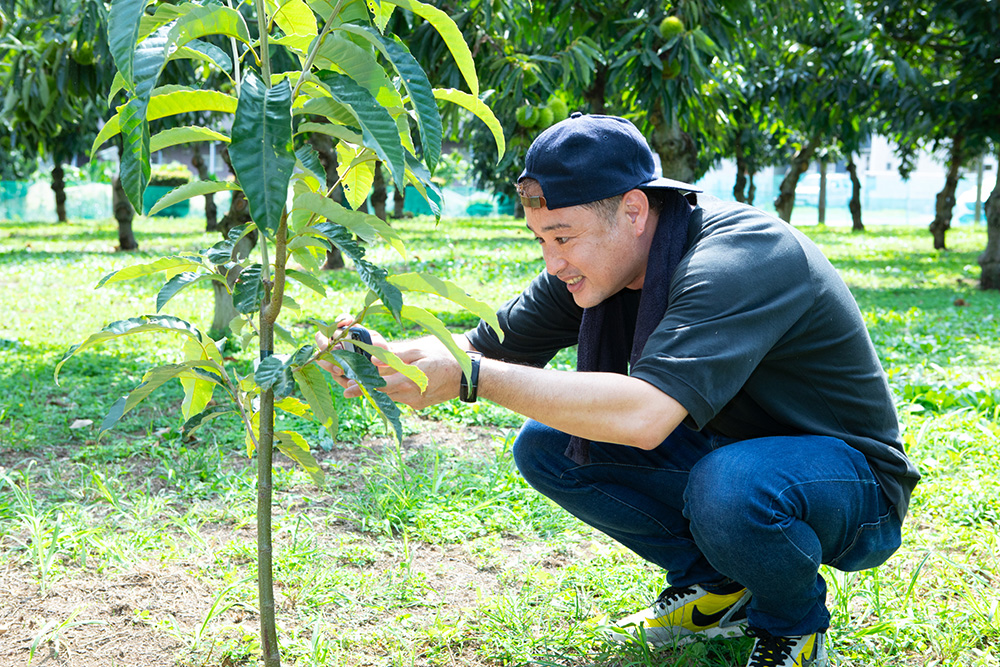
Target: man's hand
x,y
428,354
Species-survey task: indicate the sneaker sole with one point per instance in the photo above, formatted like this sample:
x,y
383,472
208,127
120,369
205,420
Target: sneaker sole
x,y
664,637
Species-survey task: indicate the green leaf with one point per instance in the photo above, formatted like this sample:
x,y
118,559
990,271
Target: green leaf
x,y
451,35
196,49
189,190
312,383
332,130
295,447
261,149
356,168
224,251
307,279
362,224
437,328
273,373
294,406
427,283
394,362
249,292
417,86
204,416
209,19
184,135
295,18
134,325
378,129
171,265
308,158
338,52
480,110
373,276
171,101
180,281
123,33
152,380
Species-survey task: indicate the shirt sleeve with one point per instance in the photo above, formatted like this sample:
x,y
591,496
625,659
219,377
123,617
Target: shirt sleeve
x,y
536,324
736,293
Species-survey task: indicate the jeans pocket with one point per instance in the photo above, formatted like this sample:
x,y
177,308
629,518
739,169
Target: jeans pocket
x,y
872,545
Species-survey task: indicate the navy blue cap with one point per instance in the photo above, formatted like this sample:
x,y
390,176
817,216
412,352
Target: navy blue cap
x,y
587,158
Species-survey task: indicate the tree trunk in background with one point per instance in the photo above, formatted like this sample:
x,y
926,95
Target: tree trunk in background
x,y
59,189
821,202
786,197
124,213
594,96
946,198
739,189
379,195
398,202
989,260
211,213
751,188
677,150
328,158
855,203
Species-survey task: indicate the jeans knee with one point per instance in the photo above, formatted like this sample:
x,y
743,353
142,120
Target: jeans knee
x,y
717,500
537,450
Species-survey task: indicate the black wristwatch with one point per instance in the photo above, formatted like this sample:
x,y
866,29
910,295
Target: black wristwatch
x,y
468,390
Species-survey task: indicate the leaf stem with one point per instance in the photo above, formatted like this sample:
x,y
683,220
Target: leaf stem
x,y
314,47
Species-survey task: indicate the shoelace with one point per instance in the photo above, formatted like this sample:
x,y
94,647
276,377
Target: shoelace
x,y
671,594
769,650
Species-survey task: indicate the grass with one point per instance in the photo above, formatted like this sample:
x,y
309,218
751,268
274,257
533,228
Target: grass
x,y
434,552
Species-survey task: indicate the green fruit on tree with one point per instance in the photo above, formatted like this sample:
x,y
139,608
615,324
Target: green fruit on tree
x,y
670,27
560,110
670,70
530,76
545,118
525,116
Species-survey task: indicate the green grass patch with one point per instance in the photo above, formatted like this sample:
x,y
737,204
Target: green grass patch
x,y
434,552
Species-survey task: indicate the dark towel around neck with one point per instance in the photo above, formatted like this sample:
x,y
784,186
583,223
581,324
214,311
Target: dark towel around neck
x,y
602,342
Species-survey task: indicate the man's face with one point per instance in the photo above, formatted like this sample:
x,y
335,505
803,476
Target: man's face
x,y
595,258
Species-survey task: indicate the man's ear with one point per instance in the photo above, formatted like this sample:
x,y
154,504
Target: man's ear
x,y
636,206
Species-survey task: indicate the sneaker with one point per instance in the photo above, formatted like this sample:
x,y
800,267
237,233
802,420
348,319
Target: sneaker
x,y
684,614
801,651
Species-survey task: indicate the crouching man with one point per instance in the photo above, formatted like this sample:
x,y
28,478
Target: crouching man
x,y
728,419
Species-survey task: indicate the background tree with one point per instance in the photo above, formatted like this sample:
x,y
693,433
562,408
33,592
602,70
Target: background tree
x,y
55,74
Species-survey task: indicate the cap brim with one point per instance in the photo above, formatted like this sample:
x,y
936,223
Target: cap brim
x,y
669,184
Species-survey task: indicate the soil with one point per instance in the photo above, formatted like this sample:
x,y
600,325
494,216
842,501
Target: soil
x,y
86,619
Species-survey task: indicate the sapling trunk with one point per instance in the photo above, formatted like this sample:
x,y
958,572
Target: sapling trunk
x,y
265,448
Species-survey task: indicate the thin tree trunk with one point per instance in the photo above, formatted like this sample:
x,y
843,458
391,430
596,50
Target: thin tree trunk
x,y
328,158
786,197
855,203
59,189
124,213
751,188
821,202
211,212
594,96
739,188
398,203
379,195
677,150
989,260
946,198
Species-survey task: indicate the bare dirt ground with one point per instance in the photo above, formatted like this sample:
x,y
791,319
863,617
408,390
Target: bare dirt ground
x,y
86,619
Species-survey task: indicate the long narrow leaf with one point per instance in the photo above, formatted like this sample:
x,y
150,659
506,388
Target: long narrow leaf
x,y
134,325
480,110
261,149
362,224
295,447
190,190
430,284
171,265
312,384
184,135
123,33
451,35
179,282
437,328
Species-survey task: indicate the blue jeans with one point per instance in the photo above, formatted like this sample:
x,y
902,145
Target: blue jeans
x,y
710,510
